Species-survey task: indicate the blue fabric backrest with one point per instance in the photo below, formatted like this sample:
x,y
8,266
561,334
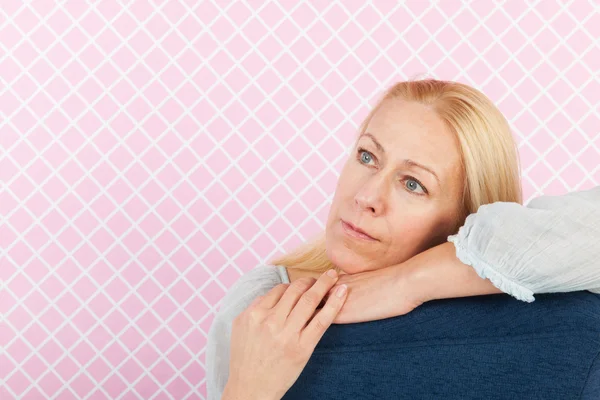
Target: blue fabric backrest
x,y
480,347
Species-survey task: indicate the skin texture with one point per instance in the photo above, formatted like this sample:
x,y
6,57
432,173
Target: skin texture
x,y
377,193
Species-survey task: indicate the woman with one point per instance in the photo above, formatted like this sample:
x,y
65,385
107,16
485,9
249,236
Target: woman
x,y
428,155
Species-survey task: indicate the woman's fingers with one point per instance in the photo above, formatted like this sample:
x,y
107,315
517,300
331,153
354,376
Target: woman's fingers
x,y
315,329
289,299
271,298
309,300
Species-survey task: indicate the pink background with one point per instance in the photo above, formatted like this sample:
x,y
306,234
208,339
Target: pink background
x,y
152,152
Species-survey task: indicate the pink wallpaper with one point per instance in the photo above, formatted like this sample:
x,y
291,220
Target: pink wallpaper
x,y
153,152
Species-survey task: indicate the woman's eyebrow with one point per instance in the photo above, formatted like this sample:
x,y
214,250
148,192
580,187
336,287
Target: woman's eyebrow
x,y
407,162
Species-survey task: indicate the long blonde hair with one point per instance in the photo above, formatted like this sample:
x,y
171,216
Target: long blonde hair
x,y
489,156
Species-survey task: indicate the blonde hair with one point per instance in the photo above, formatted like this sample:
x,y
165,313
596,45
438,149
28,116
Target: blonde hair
x,y
489,156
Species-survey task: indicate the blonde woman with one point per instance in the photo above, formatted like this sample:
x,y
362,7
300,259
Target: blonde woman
x,y
430,158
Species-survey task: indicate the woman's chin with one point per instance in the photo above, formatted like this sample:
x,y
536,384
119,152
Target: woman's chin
x,y
348,261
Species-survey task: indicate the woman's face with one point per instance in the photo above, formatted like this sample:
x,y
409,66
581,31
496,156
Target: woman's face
x,y
403,207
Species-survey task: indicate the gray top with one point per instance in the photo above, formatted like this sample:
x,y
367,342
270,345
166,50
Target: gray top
x,y
252,284
549,245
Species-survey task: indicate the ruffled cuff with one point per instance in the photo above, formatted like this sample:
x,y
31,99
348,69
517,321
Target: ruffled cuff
x,y
486,271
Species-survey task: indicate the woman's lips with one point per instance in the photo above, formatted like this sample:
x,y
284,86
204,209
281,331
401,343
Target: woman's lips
x,y
350,231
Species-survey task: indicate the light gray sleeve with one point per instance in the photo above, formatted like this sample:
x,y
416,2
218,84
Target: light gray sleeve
x,y
252,284
550,245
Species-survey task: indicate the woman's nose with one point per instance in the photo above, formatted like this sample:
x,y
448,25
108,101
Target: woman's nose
x,y
371,197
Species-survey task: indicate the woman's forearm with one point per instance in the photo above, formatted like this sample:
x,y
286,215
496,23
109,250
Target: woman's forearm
x,y
438,274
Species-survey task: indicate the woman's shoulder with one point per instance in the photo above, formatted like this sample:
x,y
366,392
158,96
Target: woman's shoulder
x,y
256,282
253,283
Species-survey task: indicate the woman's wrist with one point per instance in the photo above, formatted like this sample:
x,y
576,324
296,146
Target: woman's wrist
x,y
412,279
437,273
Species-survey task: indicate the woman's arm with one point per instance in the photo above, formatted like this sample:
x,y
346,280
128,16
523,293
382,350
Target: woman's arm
x,y
438,274
550,245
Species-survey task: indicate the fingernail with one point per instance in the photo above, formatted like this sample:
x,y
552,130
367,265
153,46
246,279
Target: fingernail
x,y
332,273
340,291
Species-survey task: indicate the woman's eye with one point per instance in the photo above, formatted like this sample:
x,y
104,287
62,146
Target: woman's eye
x,y
369,157
409,179
364,159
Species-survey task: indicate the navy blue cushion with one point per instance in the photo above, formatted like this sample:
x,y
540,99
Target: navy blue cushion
x,y
478,347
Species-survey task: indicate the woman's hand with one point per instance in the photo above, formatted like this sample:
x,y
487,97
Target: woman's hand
x,y
378,294
273,339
